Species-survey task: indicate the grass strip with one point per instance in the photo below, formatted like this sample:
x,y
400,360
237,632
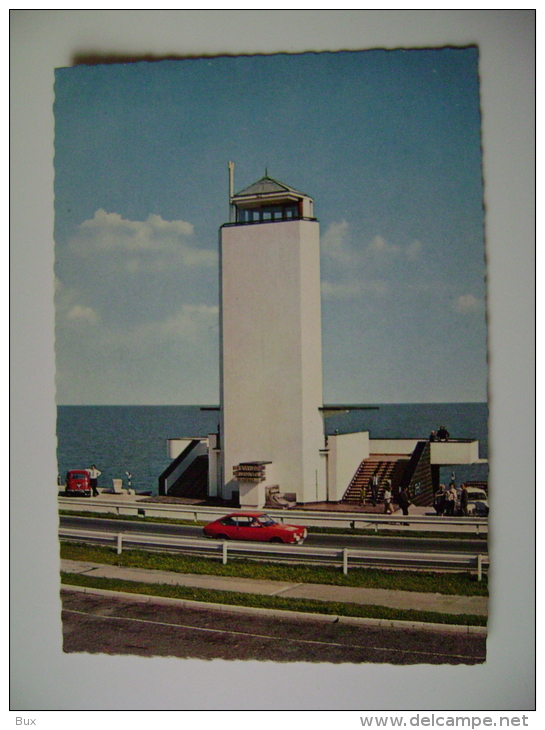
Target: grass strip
x,y
369,531
304,605
461,584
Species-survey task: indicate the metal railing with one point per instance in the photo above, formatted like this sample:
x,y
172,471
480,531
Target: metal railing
x,y
287,553
304,517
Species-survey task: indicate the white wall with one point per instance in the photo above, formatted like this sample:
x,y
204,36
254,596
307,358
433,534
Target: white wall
x,y
346,452
176,446
442,452
213,465
271,353
451,452
308,208
252,495
392,446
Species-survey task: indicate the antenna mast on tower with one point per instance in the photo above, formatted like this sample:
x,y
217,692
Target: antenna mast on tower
x,y
231,166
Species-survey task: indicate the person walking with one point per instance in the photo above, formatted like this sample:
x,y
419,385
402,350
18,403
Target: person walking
x,y
404,501
464,500
388,506
374,483
439,502
451,500
94,474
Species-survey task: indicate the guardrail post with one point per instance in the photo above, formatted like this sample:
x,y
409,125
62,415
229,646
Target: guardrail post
x,y
345,561
195,515
224,552
478,529
119,543
479,567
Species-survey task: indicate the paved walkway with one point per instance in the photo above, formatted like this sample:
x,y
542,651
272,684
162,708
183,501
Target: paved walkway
x,y
474,605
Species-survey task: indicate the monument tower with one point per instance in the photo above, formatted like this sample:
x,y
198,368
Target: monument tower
x,y
271,431
271,347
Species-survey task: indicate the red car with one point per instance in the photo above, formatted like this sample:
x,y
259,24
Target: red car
x,y
254,526
78,483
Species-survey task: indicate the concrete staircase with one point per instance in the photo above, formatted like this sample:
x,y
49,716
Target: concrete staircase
x,y
358,491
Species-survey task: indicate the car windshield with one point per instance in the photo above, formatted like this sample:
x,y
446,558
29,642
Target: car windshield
x,y
266,520
476,495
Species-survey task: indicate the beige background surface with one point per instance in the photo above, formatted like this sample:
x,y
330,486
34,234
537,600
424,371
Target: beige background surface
x,y
45,679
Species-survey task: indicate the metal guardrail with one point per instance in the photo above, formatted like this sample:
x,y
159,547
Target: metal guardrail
x,y
304,517
294,553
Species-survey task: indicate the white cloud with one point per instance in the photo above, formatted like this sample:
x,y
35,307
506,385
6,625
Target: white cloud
x,y
380,245
157,361
350,271
467,303
110,230
69,307
191,324
352,289
189,321
335,244
78,313
151,245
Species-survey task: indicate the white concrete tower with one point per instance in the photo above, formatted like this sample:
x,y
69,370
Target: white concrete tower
x,y
271,345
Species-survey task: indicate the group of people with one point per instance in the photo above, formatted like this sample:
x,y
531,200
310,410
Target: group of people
x,y
445,500
440,435
403,499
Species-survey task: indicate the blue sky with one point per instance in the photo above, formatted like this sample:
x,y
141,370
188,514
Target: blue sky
x,y
386,142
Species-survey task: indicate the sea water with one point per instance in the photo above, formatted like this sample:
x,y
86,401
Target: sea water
x,y
133,439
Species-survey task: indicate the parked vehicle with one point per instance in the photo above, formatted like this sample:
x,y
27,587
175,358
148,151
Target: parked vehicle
x,y
478,502
477,505
78,483
254,526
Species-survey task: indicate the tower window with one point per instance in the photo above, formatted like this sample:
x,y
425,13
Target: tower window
x,y
269,213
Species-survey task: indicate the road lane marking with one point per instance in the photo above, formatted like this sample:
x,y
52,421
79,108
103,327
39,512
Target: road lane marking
x,y
274,638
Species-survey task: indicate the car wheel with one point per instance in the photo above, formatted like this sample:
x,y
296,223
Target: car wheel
x,y
222,537
276,539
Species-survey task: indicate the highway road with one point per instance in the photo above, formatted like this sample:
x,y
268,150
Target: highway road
x,y
112,625
471,546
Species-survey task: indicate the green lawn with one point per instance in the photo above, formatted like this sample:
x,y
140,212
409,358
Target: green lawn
x,y
275,602
462,584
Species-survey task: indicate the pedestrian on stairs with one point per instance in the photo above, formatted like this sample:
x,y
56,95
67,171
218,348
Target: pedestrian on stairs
x,y
388,506
374,483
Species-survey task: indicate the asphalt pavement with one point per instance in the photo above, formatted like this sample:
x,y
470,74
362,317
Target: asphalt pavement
x,y
391,541
101,622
